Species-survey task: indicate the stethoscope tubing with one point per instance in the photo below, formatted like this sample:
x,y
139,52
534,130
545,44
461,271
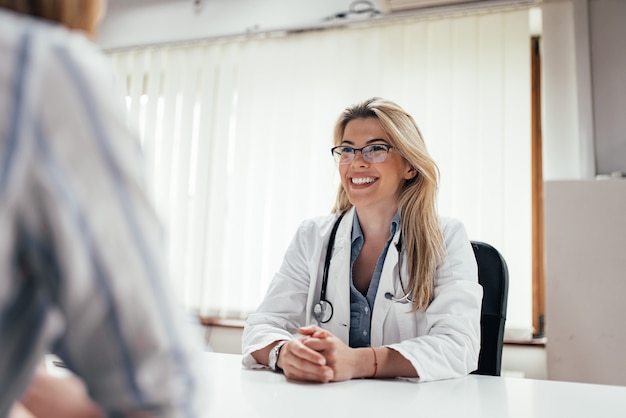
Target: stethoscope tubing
x,y
324,307
329,255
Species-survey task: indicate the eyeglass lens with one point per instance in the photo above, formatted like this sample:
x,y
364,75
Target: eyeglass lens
x,y
375,153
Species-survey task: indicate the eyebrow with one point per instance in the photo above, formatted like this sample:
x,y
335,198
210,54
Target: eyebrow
x,y
371,141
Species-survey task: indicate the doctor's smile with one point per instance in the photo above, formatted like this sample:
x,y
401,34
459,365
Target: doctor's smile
x,y
360,181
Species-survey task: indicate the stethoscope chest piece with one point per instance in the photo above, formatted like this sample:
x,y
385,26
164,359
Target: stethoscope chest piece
x,y
323,311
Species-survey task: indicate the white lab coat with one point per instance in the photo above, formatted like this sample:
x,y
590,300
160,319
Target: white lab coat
x,y
441,342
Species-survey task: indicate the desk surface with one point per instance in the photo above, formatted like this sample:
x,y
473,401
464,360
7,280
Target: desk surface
x,y
238,392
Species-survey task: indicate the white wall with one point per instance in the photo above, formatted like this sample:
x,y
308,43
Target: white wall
x,y
608,61
567,120
584,88
143,22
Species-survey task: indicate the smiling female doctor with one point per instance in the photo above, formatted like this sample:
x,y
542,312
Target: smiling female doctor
x,y
384,287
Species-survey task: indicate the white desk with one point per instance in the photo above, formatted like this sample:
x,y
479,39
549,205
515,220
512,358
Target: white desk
x,y
238,392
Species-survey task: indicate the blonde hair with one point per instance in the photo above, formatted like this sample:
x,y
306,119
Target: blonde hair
x,y
421,234
74,14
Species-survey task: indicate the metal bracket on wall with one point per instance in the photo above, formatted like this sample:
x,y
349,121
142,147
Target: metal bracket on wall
x,y
198,5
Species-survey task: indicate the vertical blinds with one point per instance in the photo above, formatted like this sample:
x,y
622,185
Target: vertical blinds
x,y
237,134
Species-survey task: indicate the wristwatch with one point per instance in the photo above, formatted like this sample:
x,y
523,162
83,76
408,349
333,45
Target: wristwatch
x,y
273,357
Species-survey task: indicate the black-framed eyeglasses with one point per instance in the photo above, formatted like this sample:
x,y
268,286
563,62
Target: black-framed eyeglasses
x,y
374,153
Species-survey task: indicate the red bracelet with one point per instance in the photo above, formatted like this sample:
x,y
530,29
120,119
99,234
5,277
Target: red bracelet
x,y
375,363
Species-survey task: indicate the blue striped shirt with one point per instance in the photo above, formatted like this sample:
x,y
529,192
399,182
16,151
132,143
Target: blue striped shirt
x,y
82,271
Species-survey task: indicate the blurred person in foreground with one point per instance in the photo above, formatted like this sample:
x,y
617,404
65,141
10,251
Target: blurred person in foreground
x,y
82,272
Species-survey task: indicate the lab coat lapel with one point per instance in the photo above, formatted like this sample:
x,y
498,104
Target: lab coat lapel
x,y
387,284
338,288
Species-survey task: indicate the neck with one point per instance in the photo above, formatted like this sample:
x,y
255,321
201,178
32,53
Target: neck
x,y
375,222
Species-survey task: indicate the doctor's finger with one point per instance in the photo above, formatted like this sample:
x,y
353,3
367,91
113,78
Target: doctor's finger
x,y
310,330
322,333
301,351
322,345
305,371
316,332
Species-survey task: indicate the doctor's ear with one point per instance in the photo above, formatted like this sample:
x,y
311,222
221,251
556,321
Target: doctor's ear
x,y
411,173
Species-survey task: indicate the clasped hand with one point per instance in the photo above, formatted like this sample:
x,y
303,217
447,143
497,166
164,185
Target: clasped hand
x,y
318,356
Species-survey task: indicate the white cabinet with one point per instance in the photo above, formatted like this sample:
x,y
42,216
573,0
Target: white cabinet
x,y
585,242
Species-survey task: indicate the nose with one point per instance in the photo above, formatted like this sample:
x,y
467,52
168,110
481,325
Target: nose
x,y
359,159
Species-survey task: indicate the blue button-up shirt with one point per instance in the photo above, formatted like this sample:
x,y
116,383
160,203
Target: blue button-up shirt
x,y
361,306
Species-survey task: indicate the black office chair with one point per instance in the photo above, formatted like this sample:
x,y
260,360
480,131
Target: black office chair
x,y
493,276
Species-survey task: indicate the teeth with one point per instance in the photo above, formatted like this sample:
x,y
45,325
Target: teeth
x,y
363,180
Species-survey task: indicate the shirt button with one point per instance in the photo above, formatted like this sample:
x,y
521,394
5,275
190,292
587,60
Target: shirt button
x,y
366,309
365,333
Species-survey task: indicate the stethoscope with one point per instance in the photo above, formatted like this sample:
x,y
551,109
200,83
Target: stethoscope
x,y
323,310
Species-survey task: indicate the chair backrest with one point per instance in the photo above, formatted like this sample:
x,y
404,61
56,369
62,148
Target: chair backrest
x,y
493,276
